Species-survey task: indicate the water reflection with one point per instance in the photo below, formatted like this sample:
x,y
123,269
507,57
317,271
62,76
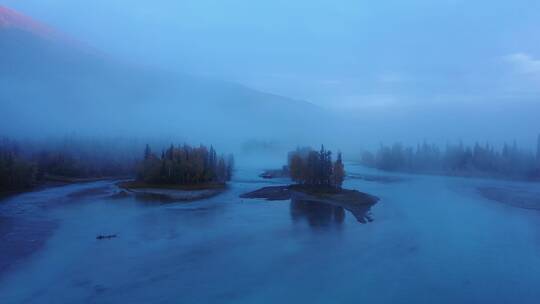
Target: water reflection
x,y
316,214
320,214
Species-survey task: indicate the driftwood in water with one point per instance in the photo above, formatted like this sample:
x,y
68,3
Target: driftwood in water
x,y
105,237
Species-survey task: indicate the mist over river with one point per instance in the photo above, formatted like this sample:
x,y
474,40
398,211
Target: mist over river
x,y
432,240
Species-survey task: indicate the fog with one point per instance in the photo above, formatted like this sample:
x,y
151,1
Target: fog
x,y
351,74
284,151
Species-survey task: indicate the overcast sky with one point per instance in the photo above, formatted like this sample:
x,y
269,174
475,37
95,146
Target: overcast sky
x,y
341,54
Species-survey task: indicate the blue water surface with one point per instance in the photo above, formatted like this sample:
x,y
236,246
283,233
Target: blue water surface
x,y
432,240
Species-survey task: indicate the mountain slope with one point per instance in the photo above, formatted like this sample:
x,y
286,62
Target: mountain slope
x,y
50,85
10,19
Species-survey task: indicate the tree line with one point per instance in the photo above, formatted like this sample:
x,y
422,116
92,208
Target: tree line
x,y
16,172
478,160
25,165
185,165
315,168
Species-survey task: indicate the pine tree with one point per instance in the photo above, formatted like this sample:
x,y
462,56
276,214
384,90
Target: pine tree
x,y
147,152
230,167
221,170
170,152
296,168
185,165
339,172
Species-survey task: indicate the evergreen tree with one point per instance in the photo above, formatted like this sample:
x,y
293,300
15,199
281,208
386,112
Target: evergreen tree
x,y
480,159
147,152
339,172
185,165
230,167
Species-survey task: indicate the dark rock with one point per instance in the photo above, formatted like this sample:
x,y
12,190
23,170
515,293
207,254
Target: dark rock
x,y
276,193
276,173
106,237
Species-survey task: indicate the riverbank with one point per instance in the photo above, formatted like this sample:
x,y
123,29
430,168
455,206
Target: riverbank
x,y
172,193
516,197
50,181
534,177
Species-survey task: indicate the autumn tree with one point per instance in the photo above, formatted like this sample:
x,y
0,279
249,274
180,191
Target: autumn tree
x,y
185,165
315,168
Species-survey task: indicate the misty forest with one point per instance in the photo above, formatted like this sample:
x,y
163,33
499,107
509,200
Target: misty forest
x,y
477,160
241,151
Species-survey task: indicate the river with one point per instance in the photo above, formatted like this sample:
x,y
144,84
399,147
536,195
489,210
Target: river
x,y
431,240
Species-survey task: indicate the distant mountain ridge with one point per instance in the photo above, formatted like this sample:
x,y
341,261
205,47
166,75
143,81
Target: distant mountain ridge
x,y
48,84
10,19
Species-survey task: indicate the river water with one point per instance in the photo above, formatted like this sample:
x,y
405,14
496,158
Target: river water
x,y
432,240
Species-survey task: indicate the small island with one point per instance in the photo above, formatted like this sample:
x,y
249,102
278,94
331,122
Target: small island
x,y
182,173
318,180
276,173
